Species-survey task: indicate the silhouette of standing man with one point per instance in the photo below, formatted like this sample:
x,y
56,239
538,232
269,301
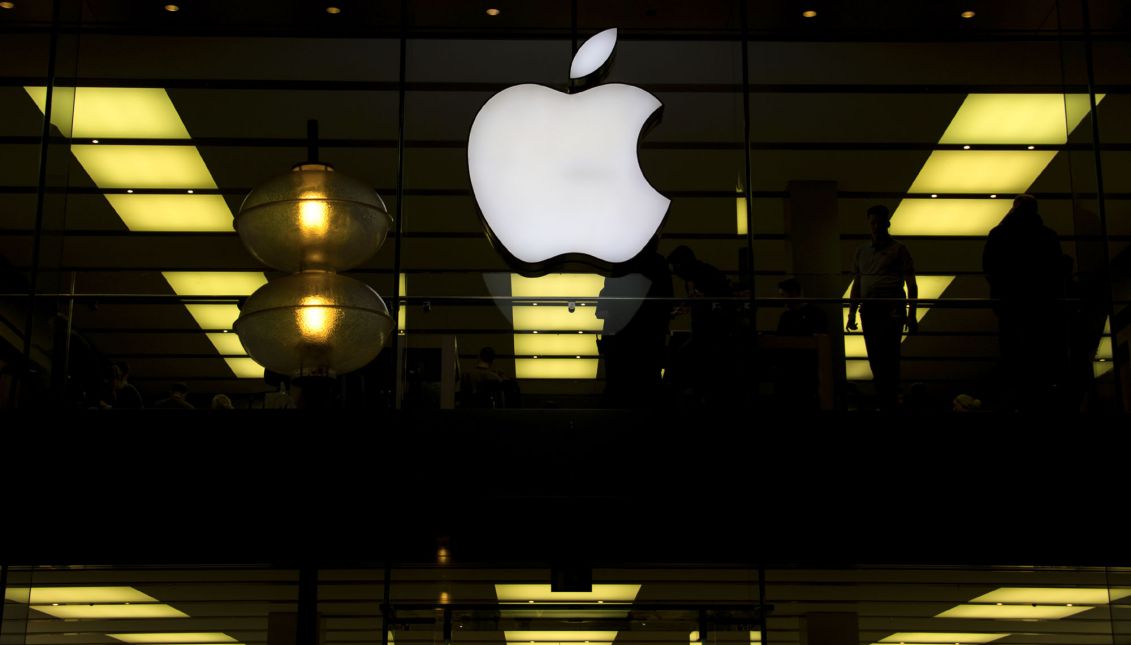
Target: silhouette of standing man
x,y
880,270
1022,262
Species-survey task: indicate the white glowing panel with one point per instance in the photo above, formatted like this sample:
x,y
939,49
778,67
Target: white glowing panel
x,y
981,171
542,593
191,213
144,166
557,173
593,54
560,636
244,367
555,344
1012,612
555,368
1054,595
174,637
97,611
965,638
1035,119
214,283
214,316
113,112
228,344
948,216
48,595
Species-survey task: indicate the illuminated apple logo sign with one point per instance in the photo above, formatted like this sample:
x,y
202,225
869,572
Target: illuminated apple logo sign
x,y
556,175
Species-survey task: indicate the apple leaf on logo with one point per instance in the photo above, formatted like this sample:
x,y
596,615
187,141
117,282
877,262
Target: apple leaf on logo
x,y
593,53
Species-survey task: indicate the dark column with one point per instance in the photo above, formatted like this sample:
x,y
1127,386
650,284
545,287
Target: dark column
x,y
812,229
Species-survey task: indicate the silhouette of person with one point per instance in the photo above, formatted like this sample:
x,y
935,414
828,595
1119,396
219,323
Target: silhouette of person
x,y
796,379
176,399
879,271
702,364
635,350
482,386
125,394
1023,264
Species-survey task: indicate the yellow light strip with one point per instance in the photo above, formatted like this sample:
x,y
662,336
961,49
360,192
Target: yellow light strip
x,y
555,345
965,638
1054,595
1013,612
228,344
214,316
89,114
105,611
560,636
174,637
173,213
948,216
559,355
112,112
539,593
214,283
48,595
1028,119
244,367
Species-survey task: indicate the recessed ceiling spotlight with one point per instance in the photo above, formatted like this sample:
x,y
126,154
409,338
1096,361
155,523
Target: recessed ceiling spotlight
x,y
493,12
130,190
1032,147
332,10
965,147
172,8
190,192
968,14
7,5
809,13
533,332
932,197
94,140
993,196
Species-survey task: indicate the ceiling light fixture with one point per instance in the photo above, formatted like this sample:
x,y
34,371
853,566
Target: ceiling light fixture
x,y
313,222
172,8
333,11
809,13
94,140
493,12
7,5
968,14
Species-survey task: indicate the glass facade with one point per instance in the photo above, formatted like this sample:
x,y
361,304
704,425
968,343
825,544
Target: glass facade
x,y
781,126
459,603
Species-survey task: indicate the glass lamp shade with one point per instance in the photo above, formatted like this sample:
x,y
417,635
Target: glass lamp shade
x,y
313,218
314,323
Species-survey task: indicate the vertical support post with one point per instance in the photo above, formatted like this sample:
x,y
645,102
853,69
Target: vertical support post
x,y
1089,64
306,625
399,218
